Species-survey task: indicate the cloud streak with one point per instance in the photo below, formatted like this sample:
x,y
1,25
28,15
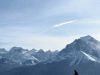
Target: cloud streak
x,y
58,25
64,23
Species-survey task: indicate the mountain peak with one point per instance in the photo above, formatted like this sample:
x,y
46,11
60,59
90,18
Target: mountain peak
x,y
87,44
88,37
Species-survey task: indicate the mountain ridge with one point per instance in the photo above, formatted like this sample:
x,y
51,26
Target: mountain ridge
x,y
82,52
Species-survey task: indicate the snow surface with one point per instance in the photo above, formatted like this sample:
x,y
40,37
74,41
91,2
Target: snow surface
x,y
89,56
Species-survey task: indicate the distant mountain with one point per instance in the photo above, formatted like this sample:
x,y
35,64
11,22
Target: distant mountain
x,y
20,56
44,56
83,55
2,52
27,57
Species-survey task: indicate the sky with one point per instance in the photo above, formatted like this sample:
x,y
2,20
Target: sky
x,y
47,24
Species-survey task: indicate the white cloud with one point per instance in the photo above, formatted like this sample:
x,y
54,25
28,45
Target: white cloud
x,y
64,23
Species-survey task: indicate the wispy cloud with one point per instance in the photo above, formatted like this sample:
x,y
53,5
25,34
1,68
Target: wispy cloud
x,y
64,23
58,25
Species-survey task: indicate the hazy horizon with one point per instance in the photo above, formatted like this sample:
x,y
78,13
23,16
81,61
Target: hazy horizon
x,y
47,24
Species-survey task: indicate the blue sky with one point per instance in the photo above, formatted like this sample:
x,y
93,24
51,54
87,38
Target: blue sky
x,y
47,24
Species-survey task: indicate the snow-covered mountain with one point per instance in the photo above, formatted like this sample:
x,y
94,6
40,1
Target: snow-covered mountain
x,y
20,56
44,56
27,57
81,50
82,54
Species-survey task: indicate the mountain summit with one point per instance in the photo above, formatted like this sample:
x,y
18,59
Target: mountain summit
x,y
81,49
87,44
89,38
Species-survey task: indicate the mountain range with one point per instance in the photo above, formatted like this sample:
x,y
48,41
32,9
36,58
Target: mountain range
x,y
82,54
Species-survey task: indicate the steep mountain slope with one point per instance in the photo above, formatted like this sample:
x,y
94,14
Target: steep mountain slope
x,y
80,48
